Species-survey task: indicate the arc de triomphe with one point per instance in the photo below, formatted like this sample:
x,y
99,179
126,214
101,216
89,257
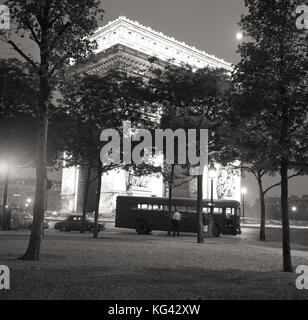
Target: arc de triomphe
x,y
128,45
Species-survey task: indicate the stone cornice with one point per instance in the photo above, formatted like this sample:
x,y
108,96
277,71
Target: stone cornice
x,y
152,43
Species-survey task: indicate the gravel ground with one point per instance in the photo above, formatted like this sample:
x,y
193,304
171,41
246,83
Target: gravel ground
x,y
123,265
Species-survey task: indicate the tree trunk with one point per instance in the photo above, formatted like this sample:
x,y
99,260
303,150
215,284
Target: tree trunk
x,y
98,197
200,208
262,236
33,251
287,262
85,199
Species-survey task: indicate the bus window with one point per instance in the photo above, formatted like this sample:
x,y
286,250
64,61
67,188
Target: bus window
x,y
192,210
156,207
229,211
206,210
181,209
145,206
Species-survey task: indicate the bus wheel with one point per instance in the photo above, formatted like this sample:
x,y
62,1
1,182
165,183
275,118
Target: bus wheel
x,y
142,227
216,231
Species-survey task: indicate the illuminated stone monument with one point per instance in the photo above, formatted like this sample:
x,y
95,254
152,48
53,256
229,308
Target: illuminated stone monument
x,y
127,45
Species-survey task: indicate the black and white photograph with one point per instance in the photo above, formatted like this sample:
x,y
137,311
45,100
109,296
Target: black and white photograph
x,y
154,153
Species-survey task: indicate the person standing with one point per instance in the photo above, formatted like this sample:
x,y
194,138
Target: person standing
x,y
15,218
176,219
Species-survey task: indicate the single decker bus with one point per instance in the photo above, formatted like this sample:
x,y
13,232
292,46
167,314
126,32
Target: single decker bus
x,y
145,214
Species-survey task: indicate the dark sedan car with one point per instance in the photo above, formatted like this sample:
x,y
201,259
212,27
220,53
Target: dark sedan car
x,y
74,223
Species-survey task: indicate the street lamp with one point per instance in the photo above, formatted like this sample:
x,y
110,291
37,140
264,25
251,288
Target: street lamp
x,y
4,167
239,36
29,200
212,174
244,191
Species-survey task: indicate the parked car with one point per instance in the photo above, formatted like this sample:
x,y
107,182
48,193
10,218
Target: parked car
x,y
26,220
51,214
74,223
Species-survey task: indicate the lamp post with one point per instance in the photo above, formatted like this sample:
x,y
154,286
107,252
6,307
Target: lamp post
x,y
4,167
244,191
212,174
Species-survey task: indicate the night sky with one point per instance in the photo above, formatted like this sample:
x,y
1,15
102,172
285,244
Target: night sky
x,y
209,25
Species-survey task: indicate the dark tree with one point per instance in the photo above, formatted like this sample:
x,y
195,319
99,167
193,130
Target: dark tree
x,y
60,30
95,103
192,99
245,148
272,75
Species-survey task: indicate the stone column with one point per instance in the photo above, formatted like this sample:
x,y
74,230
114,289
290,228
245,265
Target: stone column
x,y
69,189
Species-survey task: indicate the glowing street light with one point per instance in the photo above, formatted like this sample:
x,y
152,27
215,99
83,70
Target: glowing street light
x,y
29,200
212,171
4,168
239,36
294,209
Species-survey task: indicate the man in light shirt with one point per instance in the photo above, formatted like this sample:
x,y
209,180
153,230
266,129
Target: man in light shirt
x,y
176,219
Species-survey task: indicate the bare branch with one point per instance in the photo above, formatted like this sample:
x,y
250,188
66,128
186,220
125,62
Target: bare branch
x,y
279,183
94,179
271,187
262,173
184,182
16,48
34,35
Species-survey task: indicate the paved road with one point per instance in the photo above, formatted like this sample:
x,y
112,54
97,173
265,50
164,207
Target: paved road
x,y
124,265
299,237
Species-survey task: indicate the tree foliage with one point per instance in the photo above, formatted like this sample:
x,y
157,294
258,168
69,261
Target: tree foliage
x,y
191,99
95,103
271,81
59,29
